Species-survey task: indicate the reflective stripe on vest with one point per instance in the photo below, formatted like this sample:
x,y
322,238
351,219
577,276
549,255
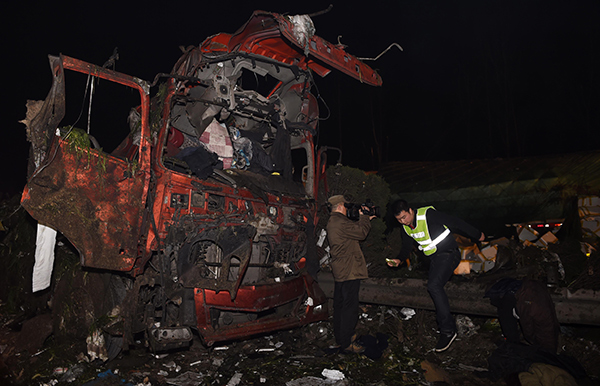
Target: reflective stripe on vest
x,y
421,232
435,242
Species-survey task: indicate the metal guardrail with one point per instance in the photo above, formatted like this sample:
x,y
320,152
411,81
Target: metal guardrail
x,y
580,307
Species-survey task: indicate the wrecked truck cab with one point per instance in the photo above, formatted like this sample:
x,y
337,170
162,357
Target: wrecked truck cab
x,y
209,202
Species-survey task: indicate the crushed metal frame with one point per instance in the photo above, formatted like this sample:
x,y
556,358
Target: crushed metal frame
x,y
230,255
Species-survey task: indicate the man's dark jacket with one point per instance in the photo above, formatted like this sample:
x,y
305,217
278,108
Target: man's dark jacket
x,y
347,259
435,223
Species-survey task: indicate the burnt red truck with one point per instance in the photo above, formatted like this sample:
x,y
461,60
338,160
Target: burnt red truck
x,y
206,210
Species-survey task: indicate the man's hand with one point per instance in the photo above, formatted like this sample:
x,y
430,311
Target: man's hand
x,y
482,237
363,209
393,262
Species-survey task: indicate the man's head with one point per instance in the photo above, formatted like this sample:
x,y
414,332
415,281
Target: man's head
x,y
337,203
403,212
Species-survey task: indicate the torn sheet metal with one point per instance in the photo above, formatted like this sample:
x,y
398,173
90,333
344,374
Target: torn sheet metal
x,y
267,26
96,201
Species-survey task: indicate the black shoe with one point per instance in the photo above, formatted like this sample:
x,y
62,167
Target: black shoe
x,y
445,341
354,348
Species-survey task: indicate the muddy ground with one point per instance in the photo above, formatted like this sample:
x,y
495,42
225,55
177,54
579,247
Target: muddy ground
x,y
294,357
35,349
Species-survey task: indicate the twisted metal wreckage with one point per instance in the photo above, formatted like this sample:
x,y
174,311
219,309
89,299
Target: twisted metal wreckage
x,y
206,210
209,202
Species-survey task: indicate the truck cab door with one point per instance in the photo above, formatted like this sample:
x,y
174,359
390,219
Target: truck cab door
x,y
94,197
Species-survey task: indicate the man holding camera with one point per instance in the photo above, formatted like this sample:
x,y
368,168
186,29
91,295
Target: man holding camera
x,y
349,268
432,230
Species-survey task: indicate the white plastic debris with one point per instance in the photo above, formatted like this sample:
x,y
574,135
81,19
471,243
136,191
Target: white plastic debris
x,y
561,268
44,257
163,373
52,382
333,374
309,302
285,266
170,365
96,346
322,236
304,29
60,370
235,380
465,326
471,368
393,312
325,259
408,313
188,378
39,352
309,381
72,374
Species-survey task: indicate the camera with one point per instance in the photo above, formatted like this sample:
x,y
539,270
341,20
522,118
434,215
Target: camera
x,y
352,210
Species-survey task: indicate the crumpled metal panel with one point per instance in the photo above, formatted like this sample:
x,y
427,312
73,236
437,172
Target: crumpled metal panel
x,y
274,36
94,200
234,242
258,298
52,111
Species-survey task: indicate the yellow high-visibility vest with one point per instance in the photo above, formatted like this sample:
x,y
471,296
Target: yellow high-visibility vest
x,y
421,232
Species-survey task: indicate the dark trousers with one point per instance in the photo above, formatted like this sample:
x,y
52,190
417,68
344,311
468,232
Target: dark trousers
x,y
345,311
508,323
440,271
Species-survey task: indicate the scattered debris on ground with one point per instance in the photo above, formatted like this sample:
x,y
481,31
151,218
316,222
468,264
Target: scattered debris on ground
x,y
295,357
35,350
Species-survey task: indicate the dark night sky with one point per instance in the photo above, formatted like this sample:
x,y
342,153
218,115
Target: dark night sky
x,y
476,79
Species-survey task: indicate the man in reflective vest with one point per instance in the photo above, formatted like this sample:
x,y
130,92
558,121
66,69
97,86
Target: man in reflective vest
x,y
432,230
